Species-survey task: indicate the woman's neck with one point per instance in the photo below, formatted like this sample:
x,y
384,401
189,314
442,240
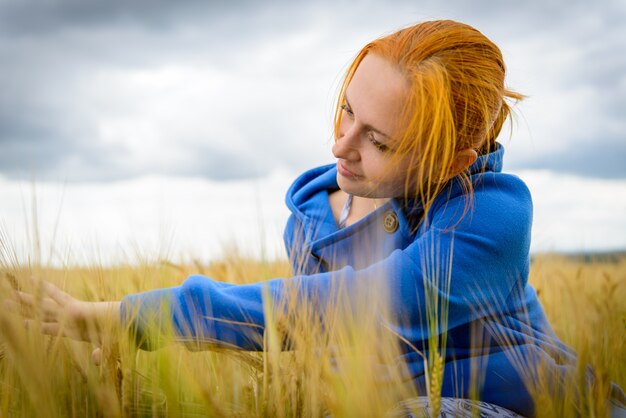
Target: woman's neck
x,y
360,207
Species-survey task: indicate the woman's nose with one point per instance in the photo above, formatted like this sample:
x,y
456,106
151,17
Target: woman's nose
x,y
346,146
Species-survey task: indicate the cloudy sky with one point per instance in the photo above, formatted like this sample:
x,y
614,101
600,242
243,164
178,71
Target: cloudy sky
x,y
122,118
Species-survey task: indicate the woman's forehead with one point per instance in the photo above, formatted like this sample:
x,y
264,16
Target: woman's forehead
x,y
377,93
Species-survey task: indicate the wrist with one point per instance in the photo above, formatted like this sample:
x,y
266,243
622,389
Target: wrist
x,y
95,320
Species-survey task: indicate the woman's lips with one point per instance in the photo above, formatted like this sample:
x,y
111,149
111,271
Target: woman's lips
x,y
342,170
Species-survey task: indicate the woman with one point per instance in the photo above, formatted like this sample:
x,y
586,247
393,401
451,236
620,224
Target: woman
x,y
418,171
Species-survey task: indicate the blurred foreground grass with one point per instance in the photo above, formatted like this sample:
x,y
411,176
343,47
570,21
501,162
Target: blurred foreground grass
x,y
330,374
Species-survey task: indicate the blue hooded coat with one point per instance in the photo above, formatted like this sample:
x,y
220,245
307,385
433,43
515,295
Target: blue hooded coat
x,y
478,247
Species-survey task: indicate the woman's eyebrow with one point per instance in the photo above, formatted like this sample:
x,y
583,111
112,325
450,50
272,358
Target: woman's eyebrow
x,y
368,126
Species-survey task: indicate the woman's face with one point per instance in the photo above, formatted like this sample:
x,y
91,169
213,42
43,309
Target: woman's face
x,y
369,123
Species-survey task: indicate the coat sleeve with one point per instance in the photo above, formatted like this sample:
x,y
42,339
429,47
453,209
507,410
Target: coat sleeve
x,y
472,261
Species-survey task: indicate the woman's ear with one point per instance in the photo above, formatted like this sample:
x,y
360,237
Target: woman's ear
x,y
463,159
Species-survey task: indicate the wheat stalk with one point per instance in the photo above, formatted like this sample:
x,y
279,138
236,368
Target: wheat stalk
x,y
434,382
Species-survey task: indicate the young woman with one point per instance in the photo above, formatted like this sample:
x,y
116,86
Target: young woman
x,y
418,169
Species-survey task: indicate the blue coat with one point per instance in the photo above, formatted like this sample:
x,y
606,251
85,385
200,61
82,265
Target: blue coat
x,y
481,245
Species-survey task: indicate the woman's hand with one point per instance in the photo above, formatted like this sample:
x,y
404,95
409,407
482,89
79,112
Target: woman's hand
x,y
58,313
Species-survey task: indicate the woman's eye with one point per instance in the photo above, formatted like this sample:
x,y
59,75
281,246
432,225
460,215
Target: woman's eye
x,y
379,145
346,109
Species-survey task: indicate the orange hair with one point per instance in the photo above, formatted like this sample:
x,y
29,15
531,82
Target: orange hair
x,y
456,98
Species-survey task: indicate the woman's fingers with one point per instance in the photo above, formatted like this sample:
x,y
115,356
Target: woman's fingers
x,y
44,288
96,356
30,299
55,293
49,328
26,299
42,294
57,329
49,308
46,309
56,312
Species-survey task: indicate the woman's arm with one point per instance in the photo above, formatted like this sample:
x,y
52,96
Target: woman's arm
x,y
474,264
488,253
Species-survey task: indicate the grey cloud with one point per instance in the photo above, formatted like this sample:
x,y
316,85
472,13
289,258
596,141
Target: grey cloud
x,y
45,160
33,17
43,151
591,158
48,50
218,164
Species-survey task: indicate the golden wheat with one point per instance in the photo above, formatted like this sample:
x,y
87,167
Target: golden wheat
x,y
334,371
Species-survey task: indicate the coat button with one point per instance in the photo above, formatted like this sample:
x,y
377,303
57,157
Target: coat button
x,y
390,222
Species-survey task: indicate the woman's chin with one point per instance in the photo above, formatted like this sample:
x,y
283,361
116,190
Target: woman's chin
x,y
349,185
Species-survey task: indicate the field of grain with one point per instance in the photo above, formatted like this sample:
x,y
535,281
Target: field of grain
x,y
331,372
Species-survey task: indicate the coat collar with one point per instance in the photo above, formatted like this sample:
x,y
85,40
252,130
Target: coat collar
x,y
308,197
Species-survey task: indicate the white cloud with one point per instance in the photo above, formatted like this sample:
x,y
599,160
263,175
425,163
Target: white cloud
x,y
183,219
576,214
145,218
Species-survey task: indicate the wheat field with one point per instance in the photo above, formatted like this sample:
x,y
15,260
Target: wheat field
x,y
331,373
